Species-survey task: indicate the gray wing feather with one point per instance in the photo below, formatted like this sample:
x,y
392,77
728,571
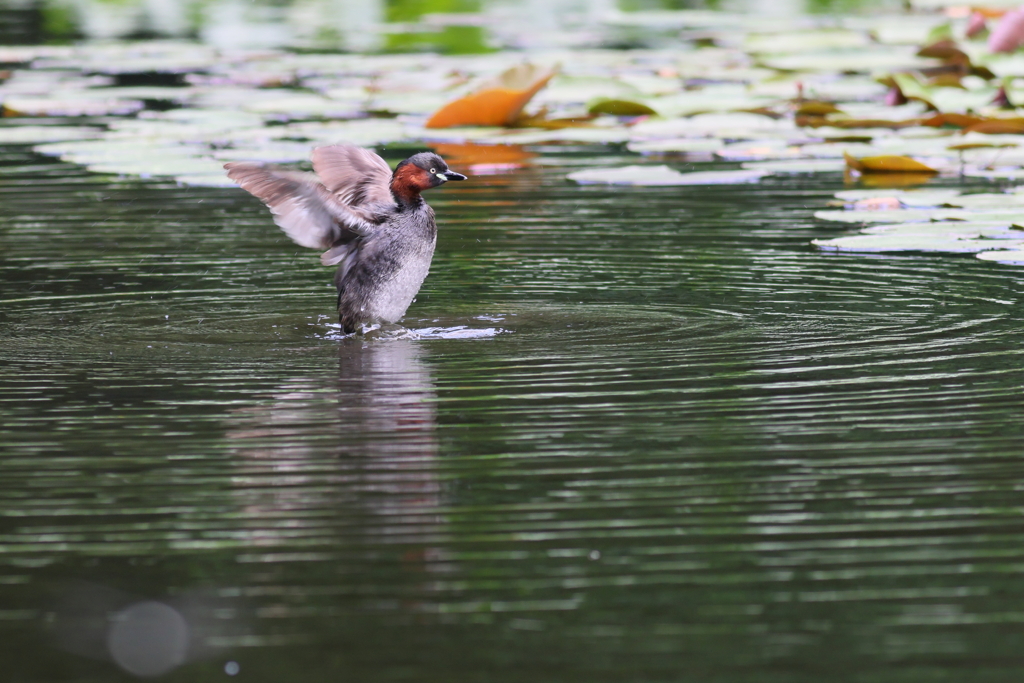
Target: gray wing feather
x,y
302,207
357,177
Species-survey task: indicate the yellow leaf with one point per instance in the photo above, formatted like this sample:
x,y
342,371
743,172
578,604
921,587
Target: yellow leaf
x,y
816,108
496,103
887,164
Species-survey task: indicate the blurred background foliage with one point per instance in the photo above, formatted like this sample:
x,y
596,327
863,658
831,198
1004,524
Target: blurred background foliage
x,y
446,26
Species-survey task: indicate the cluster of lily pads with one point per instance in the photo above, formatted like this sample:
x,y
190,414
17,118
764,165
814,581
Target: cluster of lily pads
x,y
913,95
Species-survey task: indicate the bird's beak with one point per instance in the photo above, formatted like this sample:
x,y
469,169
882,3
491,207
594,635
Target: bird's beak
x,y
452,175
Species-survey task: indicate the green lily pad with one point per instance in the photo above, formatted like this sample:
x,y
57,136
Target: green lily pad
x,y
887,58
295,105
365,132
24,135
878,216
797,166
275,153
805,41
958,237
676,145
910,198
995,174
1008,256
662,175
759,150
69,105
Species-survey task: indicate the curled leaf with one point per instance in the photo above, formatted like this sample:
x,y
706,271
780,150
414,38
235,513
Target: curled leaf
x,y
499,102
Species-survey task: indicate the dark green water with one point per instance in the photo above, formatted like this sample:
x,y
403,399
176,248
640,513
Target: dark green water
x,y
640,435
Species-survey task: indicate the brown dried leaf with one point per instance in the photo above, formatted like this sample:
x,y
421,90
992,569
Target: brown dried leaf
x,y
946,50
979,145
997,127
951,120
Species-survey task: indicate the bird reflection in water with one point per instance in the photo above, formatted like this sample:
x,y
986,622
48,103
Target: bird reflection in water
x,y
345,466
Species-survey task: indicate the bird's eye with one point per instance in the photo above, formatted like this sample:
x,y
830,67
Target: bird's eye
x,y
433,170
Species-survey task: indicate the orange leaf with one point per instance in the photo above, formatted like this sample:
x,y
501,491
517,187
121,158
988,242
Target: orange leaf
x,y
887,164
497,103
951,119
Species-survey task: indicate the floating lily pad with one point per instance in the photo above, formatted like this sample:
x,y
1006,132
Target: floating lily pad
x,y
960,237
1009,256
303,106
797,166
877,216
805,41
23,135
276,152
852,61
205,180
365,132
81,105
910,198
662,175
180,166
676,145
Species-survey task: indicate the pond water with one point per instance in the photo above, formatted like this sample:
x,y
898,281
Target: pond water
x,y
626,434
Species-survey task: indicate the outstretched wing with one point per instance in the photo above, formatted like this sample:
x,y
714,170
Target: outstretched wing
x,y
355,176
302,207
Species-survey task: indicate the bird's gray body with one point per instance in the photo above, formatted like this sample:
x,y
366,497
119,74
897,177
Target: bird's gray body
x,y
380,277
373,223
